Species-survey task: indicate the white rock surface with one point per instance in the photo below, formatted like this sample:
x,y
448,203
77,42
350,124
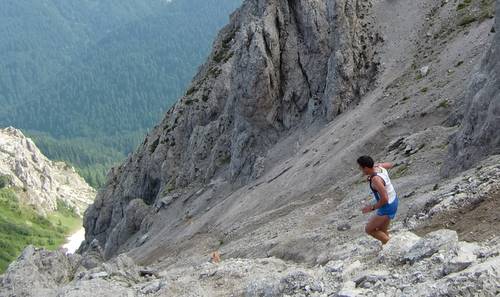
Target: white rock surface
x,y
43,181
397,247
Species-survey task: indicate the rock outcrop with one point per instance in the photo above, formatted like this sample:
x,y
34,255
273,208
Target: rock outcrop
x,y
454,268
479,134
43,181
277,64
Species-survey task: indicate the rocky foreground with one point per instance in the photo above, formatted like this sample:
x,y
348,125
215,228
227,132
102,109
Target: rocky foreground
x,y
437,264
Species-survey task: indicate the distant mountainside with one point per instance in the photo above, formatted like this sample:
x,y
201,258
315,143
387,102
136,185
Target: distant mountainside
x,y
41,201
99,73
44,183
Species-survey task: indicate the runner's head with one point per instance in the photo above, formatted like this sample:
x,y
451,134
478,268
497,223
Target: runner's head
x,y
366,164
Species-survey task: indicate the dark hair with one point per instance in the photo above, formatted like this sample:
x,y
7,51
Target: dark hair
x,y
365,161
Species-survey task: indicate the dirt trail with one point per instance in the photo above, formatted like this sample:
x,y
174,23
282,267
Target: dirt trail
x,y
479,222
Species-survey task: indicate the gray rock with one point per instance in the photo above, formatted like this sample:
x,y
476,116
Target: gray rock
x,y
430,244
152,287
398,246
464,256
424,70
38,271
478,136
334,266
93,256
100,274
300,281
344,227
370,277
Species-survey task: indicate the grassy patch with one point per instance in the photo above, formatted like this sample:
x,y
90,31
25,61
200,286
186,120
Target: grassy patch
x,y
467,20
169,188
444,104
5,180
21,225
225,160
224,53
475,10
214,71
154,145
191,91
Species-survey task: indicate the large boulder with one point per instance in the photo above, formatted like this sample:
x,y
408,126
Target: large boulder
x,y
397,247
477,280
464,255
38,272
430,244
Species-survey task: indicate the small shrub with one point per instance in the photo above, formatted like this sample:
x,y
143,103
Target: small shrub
x,y
191,91
5,181
225,160
467,20
444,104
168,188
400,171
153,146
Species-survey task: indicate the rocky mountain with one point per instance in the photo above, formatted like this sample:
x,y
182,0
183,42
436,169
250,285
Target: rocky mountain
x,y
256,163
267,74
43,181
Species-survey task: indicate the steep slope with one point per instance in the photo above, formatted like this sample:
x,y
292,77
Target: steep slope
x,y
284,209
479,136
45,183
274,66
254,110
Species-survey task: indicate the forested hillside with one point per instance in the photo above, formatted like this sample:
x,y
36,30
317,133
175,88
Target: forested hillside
x,y
86,79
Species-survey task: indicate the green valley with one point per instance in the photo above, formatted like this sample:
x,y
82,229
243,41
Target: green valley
x,y
21,225
87,79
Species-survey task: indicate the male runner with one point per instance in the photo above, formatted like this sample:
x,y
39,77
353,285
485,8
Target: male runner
x,y
386,198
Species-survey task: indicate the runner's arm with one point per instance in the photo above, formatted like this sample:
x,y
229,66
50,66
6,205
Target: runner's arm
x,y
386,165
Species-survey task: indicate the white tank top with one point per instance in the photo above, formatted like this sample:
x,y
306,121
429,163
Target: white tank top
x,y
391,193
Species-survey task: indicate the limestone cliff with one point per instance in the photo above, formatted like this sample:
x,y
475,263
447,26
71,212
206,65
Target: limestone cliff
x,y
479,135
43,181
277,65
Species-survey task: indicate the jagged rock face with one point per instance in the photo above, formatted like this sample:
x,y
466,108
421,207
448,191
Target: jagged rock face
x,y
277,64
42,180
479,134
